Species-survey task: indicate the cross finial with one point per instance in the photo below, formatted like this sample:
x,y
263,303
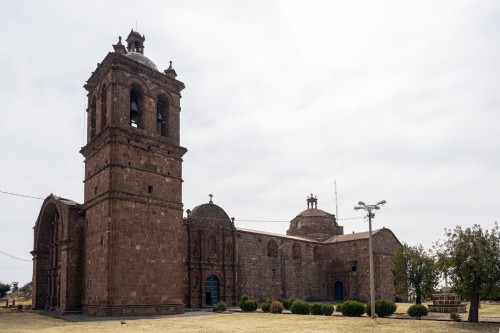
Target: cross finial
x,y
211,196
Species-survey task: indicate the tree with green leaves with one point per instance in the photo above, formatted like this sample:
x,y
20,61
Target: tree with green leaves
x,y
471,259
4,288
414,272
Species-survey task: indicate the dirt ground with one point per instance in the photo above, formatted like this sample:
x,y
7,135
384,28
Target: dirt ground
x,y
31,321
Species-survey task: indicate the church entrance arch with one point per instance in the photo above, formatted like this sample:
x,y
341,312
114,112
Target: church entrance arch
x,y
211,290
338,291
47,258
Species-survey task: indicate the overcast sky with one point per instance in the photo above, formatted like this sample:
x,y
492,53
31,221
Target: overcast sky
x,y
395,100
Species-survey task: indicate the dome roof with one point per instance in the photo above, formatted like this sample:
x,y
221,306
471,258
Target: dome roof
x,y
210,215
314,223
141,58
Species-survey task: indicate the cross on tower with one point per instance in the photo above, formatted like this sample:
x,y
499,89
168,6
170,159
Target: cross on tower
x,y
211,196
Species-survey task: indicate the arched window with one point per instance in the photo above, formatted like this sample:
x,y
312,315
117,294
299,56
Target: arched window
x,y
272,249
212,245
92,116
296,253
162,115
104,109
135,107
316,253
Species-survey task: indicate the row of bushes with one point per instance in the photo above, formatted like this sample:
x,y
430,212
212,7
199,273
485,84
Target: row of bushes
x,y
298,307
383,307
294,305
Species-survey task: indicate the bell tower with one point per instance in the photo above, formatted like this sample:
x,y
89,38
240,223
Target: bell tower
x,y
133,234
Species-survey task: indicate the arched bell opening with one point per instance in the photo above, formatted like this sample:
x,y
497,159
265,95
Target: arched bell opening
x,y
104,108
92,118
136,106
162,115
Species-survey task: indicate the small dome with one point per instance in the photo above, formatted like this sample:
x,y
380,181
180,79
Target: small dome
x,y
141,58
210,215
314,223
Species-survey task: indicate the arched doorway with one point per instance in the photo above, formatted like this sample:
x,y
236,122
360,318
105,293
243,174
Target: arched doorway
x,y
338,291
47,258
211,290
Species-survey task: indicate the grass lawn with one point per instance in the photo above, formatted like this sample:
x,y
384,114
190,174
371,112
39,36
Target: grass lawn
x,y
27,321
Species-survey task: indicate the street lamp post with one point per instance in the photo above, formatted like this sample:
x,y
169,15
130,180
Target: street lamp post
x,y
369,208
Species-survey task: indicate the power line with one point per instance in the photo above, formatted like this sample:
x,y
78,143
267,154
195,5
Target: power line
x,y
264,221
259,221
10,255
21,195
272,221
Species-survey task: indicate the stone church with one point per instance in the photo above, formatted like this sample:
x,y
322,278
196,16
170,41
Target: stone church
x,y
128,250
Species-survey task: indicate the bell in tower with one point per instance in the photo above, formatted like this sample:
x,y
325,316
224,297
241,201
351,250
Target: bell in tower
x,y
134,110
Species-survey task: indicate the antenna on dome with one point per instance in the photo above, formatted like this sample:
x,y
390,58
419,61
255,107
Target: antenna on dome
x,y
336,201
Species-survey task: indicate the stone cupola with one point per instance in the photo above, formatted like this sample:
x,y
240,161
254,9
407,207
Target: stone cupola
x,y
314,223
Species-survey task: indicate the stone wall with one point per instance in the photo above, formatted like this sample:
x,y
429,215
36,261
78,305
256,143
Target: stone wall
x,y
348,262
265,274
57,266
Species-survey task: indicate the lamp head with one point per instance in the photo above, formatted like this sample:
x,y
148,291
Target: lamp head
x,y
381,202
361,203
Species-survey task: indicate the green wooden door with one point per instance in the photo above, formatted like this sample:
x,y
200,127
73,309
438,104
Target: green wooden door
x,y
211,290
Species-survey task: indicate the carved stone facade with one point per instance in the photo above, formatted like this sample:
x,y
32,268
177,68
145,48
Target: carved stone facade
x,y
128,250
210,257
274,266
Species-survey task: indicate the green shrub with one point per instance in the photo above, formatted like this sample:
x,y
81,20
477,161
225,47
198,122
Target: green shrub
x,y
250,305
247,304
315,309
455,316
339,307
352,309
383,307
276,307
266,307
327,309
417,310
4,288
219,307
300,307
287,303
